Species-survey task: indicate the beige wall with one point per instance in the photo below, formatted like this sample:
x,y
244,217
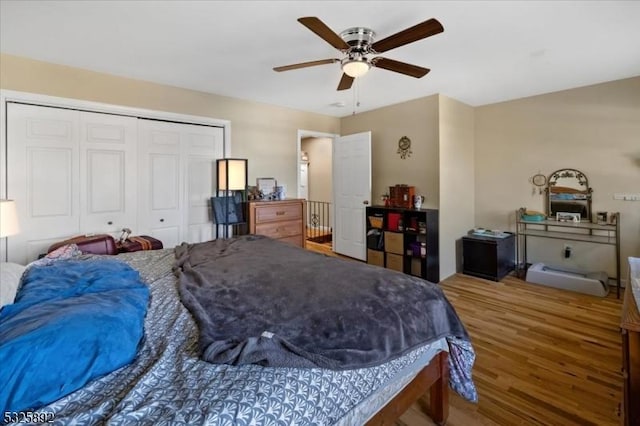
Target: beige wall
x,y
456,125
594,129
267,135
320,168
416,119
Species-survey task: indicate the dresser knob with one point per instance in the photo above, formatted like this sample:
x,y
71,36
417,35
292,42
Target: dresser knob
x,y
161,220
110,223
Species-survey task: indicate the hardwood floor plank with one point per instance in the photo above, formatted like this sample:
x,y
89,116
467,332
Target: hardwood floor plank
x,y
544,356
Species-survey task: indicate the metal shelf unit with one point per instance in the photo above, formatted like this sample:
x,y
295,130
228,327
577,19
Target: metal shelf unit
x,y
582,231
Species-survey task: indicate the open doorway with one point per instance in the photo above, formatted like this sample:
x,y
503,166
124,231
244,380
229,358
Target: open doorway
x,y
349,174
315,184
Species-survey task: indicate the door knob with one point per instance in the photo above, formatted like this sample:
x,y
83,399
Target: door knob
x,y
365,202
161,220
110,223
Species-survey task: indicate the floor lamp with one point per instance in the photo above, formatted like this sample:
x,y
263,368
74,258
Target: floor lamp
x,y
229,203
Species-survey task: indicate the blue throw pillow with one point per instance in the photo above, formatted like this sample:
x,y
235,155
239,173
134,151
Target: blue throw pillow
x,y
71,322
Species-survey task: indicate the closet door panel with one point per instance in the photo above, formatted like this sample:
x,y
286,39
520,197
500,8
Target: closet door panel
x,y
201,172
164,214
106,182
42,177
50,194
161,181
108,170
204,146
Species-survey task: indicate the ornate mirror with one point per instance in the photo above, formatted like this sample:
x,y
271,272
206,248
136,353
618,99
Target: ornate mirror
x,y
568,192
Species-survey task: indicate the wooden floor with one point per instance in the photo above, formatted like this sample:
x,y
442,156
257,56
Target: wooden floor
x,y
544,356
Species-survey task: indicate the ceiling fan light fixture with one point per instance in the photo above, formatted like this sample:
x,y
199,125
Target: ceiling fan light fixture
x,y
355,67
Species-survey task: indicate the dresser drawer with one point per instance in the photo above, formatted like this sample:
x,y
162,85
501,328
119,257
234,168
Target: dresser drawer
x,y
280,229
278,212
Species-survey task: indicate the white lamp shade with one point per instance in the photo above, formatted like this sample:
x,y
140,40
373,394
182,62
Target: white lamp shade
x,y
355,67
8,218
234,172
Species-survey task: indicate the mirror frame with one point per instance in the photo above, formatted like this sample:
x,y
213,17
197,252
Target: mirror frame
x,y
582,182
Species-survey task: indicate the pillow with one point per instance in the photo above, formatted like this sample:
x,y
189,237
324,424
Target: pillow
x,y
72,321
10,274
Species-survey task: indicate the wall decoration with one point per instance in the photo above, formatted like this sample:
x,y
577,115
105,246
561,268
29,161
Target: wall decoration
x,y
539,180
404,147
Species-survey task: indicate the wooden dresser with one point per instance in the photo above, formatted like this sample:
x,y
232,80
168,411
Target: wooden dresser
x,y
631,350
282,220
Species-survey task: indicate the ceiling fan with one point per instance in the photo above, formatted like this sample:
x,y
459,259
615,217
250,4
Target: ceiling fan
x,y
356,44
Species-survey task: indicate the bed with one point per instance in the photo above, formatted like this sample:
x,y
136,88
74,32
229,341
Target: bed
x,y
168,382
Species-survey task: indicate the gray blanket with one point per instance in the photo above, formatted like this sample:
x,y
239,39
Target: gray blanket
x,y
257,300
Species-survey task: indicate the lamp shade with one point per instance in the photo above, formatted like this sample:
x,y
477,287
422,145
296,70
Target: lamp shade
x,y
8,218
232,174
355,67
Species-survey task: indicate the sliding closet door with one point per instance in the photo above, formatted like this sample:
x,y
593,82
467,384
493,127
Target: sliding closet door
x,y
160,181
42,177
71,173
108,171
74,172
176,180
204,146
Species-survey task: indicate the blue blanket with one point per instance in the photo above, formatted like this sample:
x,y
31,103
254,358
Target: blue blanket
x,y
71,322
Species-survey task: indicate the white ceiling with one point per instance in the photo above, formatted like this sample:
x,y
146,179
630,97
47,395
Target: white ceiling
x,y
490,51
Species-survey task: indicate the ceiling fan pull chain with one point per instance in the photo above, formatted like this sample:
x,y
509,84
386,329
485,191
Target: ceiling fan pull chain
x,y
353,95
356,96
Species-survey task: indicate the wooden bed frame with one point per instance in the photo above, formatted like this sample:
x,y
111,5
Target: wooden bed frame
x,y
433,377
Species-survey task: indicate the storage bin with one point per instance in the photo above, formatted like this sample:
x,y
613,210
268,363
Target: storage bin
x,y
393,219
375,257
393,242
416,267
395,262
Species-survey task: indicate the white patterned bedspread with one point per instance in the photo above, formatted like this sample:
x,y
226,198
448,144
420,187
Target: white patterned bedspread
x,y
169,384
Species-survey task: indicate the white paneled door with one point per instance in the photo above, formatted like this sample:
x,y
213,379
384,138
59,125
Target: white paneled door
x,y
108,166
177,180
43,177
204,145
352,193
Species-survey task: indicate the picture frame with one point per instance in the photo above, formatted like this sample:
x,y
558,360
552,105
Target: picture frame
x,y
266,186
568,217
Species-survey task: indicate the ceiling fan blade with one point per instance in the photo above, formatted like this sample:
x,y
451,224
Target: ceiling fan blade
x,y
415,33
324,32
345,82
401,67
305,64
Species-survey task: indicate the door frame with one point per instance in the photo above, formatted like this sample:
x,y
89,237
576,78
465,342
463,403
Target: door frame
x,y
313,134
309,134
91,106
